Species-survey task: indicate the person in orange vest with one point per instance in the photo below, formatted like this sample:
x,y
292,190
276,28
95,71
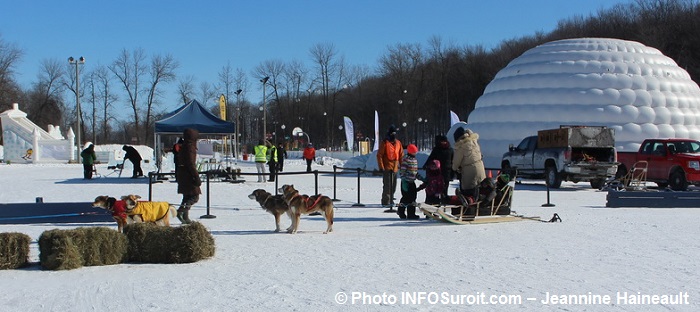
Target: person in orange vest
x,y
389,157
309,155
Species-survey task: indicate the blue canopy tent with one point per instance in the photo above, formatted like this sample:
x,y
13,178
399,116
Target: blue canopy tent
x,y
191,115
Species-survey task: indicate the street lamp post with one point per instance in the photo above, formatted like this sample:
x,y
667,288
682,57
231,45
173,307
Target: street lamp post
x,y
405,132
418,128
274,131
77,62
340,128
283,127
238,113
264,82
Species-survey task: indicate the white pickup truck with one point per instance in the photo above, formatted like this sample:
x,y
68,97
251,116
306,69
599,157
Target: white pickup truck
x,y
569,153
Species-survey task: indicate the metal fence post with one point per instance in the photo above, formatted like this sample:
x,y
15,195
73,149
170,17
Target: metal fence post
x,y
358,204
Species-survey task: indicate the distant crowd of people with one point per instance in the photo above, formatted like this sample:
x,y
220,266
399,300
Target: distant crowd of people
x,y
463,160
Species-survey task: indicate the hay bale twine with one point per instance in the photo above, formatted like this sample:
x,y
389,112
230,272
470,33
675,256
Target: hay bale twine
x,y
149,243
14,250
85,246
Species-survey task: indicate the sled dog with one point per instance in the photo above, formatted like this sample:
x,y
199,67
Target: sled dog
x,y
301,204
130,210
274,204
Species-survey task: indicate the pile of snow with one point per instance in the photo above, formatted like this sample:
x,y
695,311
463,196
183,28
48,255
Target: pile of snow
x,y
627,86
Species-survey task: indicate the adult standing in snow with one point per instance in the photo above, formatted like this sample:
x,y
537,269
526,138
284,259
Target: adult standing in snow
x,y
389,157
281,155
309,156
443,153
408,174
135,158
271,160
468,162
89,157
188,180
260,151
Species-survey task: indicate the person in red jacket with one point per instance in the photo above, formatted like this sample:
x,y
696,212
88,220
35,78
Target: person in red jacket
x,y
389,157
309,155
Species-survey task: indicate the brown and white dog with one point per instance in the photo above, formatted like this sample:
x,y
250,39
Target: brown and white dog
x,y
302,204
273,204
130,210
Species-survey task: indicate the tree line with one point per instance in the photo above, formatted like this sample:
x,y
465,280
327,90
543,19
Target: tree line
x,y
416,84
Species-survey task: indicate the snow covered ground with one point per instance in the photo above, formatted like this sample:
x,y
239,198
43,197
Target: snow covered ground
x,y
373,261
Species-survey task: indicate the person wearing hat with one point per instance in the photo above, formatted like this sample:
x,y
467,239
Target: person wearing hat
x,y
271,160
408,174
468,162
309,156
389,156
442,152
133,155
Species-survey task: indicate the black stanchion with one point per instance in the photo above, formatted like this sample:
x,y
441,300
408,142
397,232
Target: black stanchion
x,y
358,204
208,215
316,182
547,204
150,186
335,184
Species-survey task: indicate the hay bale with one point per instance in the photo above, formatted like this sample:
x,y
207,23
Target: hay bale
x,y
149,243
58,252
85,246
14,250
100,245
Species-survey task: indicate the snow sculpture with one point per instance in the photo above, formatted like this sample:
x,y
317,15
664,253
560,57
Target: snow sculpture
x,y
625,85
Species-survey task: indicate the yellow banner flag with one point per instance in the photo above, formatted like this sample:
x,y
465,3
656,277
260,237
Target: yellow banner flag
x,y
222,107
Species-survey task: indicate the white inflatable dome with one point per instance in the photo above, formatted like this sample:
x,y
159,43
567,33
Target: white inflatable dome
x,y
624,85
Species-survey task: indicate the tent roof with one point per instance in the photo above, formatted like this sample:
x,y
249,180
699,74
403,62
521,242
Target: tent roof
x,y
193,115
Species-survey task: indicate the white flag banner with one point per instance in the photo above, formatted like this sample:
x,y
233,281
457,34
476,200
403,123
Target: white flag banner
x,y
453,118
349,132
376,131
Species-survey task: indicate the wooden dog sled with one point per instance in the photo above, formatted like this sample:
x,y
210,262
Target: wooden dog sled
x,y
488,208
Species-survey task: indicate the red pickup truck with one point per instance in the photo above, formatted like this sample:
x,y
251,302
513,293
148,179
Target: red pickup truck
x,y
670,162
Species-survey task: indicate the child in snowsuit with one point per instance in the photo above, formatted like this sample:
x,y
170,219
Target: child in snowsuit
x,y
408,171
435,184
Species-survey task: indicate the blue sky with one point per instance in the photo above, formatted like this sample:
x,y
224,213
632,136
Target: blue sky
x,y
206,35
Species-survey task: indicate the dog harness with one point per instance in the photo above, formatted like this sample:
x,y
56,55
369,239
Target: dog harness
x,y
117,207
308,200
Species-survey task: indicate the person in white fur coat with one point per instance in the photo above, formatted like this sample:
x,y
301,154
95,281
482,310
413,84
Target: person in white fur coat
x,y
467,161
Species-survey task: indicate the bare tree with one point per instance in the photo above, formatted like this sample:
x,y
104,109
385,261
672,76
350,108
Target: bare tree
x,y
227,86
129,68
10,55
185,88
323,55
402,67
208,94
46,103
162,70
103,85
273,69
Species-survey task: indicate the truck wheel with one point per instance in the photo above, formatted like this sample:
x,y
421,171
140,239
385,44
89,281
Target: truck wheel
x,y
677,180
597,183
552,178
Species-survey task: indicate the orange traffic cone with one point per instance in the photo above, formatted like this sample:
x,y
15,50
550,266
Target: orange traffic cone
x,y
490,175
